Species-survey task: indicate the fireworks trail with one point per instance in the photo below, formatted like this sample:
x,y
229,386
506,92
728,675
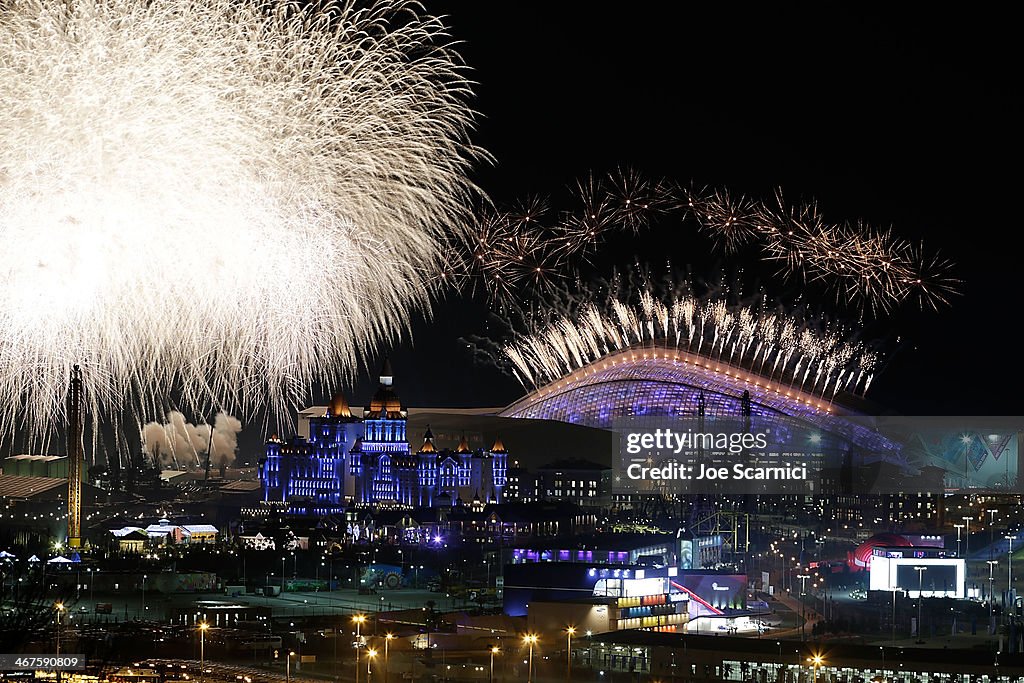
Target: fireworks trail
x,y
523,253
224,200
860,262
782,349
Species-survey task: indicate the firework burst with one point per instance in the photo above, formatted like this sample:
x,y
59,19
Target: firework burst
x,y
861,263
822,360
522,254
227,200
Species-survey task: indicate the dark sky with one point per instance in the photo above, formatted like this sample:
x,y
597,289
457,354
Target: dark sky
x,y
908,119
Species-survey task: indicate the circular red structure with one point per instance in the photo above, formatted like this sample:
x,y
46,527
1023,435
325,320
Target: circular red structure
x,y
861,557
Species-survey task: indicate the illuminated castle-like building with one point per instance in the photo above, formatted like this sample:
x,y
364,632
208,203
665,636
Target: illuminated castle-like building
x,y
368,461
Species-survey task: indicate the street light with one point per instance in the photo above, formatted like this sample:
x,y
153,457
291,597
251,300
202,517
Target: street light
x,y
894,589
144,577
967,538
803,604
358,620
59,606
991,531
920,599
958,527
370,654
816,662
530,639
202,649
1009,570
288,666
494,650
991,595
569,632
388,637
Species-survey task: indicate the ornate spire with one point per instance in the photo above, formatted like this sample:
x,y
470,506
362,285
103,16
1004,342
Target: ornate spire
x,y
498,446
463,446
428,442
387,375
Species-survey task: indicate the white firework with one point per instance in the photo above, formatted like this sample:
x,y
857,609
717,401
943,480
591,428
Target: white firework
x,y
786,350
223,199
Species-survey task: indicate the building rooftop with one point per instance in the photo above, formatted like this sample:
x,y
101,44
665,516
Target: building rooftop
x,y
27,487
44,458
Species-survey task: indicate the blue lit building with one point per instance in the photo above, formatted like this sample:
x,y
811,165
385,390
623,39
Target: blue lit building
x,y
314,470
368,462
658,383
386,471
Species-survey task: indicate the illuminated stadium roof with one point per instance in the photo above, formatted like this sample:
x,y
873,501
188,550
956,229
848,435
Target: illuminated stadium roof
x,y
664,382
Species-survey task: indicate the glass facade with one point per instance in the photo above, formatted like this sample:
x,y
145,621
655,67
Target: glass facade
x,y
666,383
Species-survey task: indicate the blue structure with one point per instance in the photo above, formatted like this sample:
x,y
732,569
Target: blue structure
x,y
368,462
659,383
313,470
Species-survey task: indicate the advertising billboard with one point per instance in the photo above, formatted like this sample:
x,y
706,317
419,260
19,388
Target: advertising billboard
x,y
938,577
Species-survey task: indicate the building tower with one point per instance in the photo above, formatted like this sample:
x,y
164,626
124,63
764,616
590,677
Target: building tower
x,y
76,456
383,468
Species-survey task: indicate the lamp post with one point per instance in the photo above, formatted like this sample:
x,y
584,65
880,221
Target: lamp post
x,y
282,574
1009,568
388,637
288,666
894,589
816,662
202,650
530,639
494,650
958,527
882,650
370,654
967,551
59,607
358,619
569,632
803,604
920,599
991,531
991,595
144,577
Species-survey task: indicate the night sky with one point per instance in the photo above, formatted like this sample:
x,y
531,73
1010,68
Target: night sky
x,y
903,119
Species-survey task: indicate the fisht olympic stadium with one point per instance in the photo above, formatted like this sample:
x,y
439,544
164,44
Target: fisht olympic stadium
x,y
659,382
663,382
